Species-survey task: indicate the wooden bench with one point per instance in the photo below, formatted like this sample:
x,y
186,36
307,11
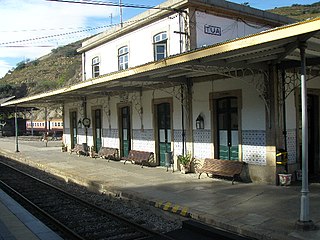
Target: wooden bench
x,y
109,153
80,149
138,157
223,168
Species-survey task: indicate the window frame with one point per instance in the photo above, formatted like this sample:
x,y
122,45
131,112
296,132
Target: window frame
x,y
123,54
160,40
95,67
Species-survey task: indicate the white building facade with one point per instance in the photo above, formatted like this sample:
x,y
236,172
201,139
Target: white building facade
x,y
187,78
163,118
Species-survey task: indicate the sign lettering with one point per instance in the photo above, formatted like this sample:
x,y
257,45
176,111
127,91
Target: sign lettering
x,y
212,30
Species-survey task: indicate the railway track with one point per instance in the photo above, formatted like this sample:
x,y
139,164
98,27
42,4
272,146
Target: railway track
x,y
74,218
71,217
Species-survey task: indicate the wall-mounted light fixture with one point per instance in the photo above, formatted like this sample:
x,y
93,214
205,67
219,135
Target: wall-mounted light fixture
x,y
200,122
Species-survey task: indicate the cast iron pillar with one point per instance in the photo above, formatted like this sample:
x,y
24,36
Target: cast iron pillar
x,y
304,223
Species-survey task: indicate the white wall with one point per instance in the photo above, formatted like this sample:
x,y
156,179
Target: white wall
x,y
222,28
291,111
253,107
140,43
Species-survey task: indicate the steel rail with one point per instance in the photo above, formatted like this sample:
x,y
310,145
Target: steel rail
x,y
86,203
60,226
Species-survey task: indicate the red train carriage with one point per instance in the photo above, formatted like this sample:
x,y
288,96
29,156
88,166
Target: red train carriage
x,y
54,126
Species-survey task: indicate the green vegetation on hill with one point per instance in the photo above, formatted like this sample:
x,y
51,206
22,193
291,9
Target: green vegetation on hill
x,y
59,68
298,11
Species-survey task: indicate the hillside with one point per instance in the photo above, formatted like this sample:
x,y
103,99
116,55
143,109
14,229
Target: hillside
x,y
298,11
59,68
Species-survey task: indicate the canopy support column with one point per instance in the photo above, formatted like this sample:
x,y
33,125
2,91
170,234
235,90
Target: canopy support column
x,y
304,222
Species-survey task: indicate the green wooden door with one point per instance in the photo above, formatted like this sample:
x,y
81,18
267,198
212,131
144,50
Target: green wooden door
x,y
125,131
164,131
97,130
227,120
73,128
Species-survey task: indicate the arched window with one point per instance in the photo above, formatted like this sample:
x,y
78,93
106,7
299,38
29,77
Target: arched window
x,y
123,58
160,45
95,67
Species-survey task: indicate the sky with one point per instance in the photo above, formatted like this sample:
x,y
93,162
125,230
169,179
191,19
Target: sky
x,y
30,29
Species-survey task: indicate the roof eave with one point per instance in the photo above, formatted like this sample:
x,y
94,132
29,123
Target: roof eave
x,y
263,38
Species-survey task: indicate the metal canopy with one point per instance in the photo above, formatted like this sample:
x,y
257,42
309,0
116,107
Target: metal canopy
x,y
255,52
8,110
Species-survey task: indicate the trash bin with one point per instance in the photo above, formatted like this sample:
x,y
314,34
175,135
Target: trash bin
x,y
169,160
85,149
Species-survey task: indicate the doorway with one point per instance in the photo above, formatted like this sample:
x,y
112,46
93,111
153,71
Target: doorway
x,y
313,134
227,128
125,130
163,131
97,129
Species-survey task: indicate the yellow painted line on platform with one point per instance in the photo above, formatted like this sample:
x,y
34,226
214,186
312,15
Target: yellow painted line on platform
x,y
175,208
167,206
158,204
184,211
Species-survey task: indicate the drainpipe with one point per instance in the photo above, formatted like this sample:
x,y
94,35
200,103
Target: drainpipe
x,y
84,67
304,222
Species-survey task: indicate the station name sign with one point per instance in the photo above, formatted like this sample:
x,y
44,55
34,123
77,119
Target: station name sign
x,y
212,30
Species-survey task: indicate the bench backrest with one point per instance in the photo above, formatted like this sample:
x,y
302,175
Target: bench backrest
x,y
230,166
136,155
108,151
79,147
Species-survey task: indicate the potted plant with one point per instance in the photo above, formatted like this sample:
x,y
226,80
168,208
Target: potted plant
x,y
185,162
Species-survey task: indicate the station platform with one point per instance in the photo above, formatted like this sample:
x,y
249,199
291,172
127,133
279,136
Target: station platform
x,y
256,210
16,223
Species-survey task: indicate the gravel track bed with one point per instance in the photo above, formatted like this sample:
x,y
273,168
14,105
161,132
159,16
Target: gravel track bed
x,y
139,213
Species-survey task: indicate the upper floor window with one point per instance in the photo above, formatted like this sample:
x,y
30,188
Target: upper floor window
x,y
160,46
95,67
123,57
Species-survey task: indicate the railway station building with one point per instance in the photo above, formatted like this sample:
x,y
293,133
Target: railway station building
x,y
207,77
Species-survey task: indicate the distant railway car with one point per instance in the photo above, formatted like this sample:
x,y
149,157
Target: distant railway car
x,y
41,126
56,125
